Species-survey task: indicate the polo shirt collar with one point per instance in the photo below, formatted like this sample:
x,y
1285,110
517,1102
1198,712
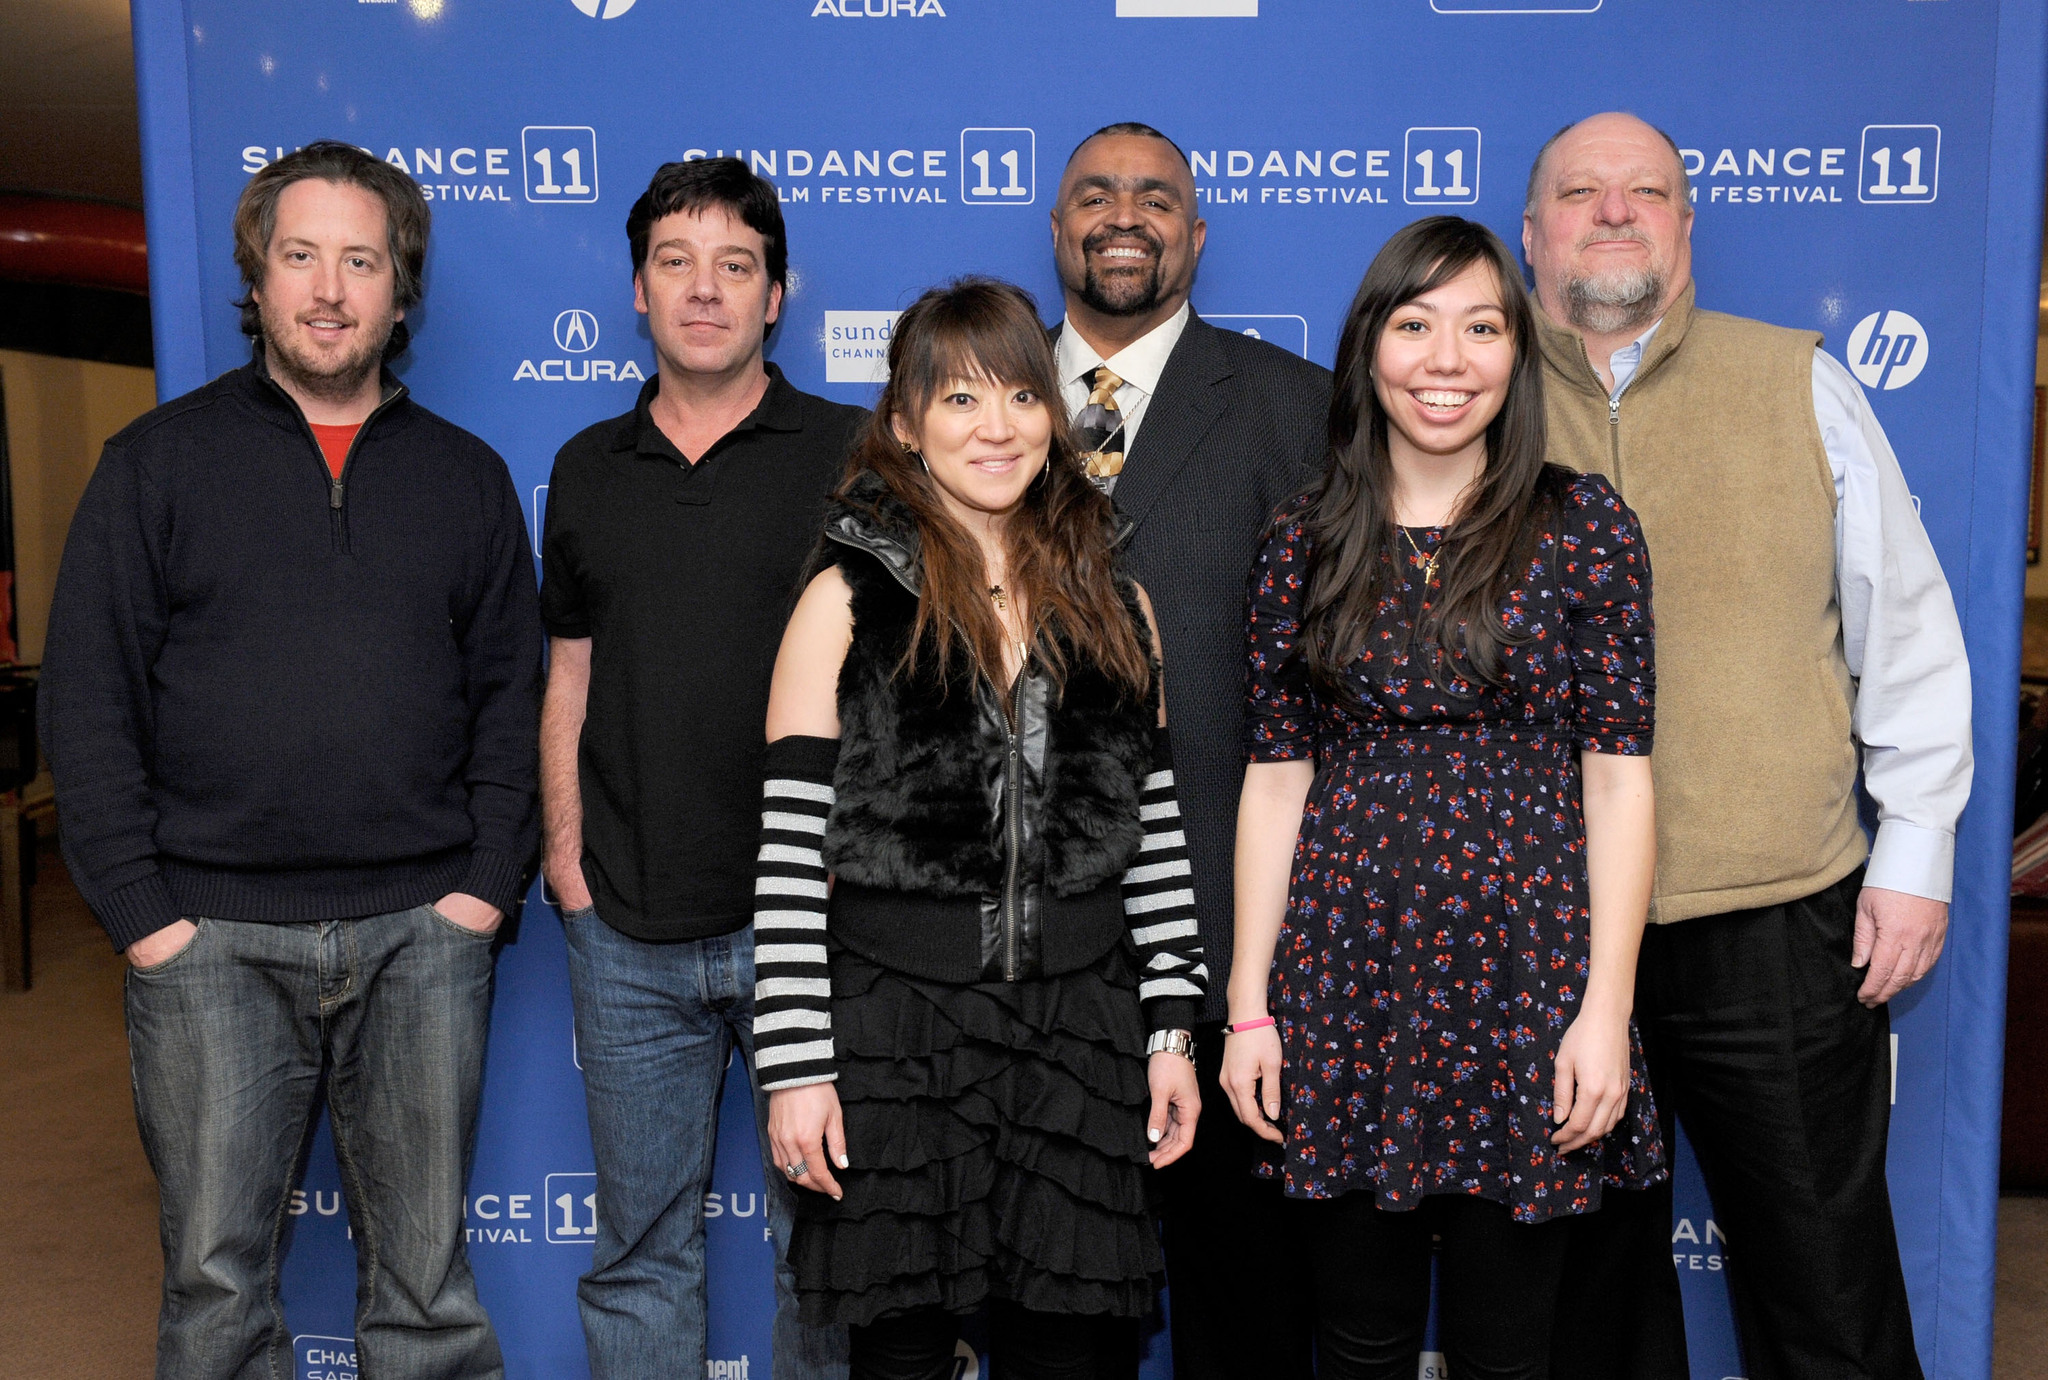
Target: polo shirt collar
x,y
780,409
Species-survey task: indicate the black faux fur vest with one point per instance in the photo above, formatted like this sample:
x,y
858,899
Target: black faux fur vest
x,y
920,781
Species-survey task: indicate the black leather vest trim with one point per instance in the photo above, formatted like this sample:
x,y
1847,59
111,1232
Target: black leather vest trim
x,y
935,798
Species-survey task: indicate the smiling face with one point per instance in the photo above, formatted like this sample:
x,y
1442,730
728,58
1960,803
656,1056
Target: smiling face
x,y
1442,367
984,443
706,292
1125,235
1608,230
327,297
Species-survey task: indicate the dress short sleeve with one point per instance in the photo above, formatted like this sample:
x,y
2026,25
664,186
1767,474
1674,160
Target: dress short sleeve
x,y
1280,710
1604,573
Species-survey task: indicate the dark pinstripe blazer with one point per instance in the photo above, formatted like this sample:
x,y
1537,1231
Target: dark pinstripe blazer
x,y
1237,427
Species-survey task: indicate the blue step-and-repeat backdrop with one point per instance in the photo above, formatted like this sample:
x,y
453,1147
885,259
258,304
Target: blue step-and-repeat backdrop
x,y
1871,169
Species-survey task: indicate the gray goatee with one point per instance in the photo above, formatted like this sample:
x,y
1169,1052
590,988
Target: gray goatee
x,y
1609,303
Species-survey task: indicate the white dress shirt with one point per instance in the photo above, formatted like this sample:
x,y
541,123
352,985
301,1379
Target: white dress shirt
x,y
1139,364
1899,634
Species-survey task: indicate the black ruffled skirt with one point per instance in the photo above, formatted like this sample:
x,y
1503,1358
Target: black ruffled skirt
x,y
997,1134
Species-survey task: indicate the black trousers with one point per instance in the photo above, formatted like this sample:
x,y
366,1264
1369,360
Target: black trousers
x,y
1237,1311
1782,1080
919,1345
1497,1282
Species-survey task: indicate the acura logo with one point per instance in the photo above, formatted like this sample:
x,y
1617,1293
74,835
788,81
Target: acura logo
x,y
576,331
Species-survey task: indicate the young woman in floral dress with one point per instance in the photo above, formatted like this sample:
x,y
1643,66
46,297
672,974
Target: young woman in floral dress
x,y
1445,842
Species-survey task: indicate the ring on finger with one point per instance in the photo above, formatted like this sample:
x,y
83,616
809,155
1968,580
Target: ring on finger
x,y
796,1170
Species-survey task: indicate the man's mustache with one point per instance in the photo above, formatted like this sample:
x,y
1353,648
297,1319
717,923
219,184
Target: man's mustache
x,y
1108,236
1609,234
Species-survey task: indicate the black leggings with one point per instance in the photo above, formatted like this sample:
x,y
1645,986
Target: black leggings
x,y
1498,1288
919,1345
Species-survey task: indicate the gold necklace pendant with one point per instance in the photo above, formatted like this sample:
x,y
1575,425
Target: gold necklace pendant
x,y
1428,562
995,592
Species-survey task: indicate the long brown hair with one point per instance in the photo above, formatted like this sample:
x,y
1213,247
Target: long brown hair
x,y
1354,561
1060,540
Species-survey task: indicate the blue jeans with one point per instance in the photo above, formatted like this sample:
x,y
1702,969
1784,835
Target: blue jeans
x,y
655,1025
227,1039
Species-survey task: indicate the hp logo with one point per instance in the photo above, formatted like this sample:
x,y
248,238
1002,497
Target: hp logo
x,y
1888,349
576,330
603,9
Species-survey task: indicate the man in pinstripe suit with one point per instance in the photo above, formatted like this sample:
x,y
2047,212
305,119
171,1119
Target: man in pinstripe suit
x,y
1199,434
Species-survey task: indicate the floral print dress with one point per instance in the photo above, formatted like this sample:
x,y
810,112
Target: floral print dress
x,y
1435,945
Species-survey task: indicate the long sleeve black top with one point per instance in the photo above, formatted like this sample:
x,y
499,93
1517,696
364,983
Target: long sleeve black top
x,y
271,695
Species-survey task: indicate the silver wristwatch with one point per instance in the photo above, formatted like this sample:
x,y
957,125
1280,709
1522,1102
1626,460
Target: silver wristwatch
x,y
1181,1042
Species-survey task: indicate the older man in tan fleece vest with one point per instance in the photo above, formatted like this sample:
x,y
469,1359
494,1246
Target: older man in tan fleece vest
x,y
1804,631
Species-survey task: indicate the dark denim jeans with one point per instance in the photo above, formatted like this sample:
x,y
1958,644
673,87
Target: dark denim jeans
x,y
228,1038
655,1024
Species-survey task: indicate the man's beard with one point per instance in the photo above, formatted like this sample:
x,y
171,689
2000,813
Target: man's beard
x,y
1125,295
1615,301
336,380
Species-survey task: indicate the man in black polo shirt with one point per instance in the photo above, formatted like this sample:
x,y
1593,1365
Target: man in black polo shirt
x,y
675,537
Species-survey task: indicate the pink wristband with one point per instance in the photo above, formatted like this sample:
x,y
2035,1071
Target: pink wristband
x,y
1243,1026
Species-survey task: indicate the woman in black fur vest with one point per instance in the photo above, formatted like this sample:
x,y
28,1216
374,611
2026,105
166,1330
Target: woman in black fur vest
x,y
976,954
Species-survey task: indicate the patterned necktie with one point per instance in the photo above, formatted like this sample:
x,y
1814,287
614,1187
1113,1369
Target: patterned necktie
x,y
1099,430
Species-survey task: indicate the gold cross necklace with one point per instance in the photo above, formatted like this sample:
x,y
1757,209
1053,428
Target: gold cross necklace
x,y
1428,562
1002,602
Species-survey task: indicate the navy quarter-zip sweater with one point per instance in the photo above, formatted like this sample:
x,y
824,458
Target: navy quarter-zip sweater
x,y
270,695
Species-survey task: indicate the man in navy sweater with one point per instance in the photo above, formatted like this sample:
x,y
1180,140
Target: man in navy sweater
x,y
291,698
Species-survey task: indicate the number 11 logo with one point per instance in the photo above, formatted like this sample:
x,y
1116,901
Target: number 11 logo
x,y
561,162
1442,167
572,1209
998,167
1901,164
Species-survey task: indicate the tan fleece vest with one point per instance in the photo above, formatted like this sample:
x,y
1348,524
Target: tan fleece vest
x,y
1715,446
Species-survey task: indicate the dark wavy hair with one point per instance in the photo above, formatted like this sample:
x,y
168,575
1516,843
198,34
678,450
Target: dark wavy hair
x,y
697,184
1061,539
406,222
1349,515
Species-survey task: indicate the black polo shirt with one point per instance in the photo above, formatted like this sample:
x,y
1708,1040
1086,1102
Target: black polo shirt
x,y
682,576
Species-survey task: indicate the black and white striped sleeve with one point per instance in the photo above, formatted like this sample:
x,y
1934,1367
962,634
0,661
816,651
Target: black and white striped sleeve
x,y
792,982
1159,905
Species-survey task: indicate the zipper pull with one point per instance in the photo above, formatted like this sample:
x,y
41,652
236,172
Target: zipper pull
x,y
1614,412
334,494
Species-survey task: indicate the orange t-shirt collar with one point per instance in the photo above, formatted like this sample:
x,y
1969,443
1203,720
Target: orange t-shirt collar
x,y
334,443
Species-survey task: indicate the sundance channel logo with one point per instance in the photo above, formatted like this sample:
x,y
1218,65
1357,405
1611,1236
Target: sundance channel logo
x,y
323,1358
856,345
